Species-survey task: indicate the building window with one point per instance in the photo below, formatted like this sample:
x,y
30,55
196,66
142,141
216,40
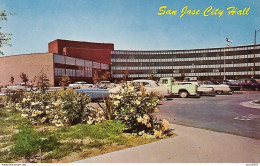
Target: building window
x,y
96,65
70,61
70,72
59,59
80,73
79,62
59,72
104,66
88,63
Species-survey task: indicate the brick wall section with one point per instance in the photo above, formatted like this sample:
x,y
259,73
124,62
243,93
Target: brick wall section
x,y
57,46
97,55
30,64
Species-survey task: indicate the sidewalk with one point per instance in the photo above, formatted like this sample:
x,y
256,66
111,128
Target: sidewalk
x,y
192,145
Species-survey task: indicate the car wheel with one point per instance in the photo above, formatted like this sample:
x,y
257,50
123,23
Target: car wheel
x,y
183,94
199,94
219,92
256,89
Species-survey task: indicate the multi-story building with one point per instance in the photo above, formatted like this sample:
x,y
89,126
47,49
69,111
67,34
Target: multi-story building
x,y
78,60
231,63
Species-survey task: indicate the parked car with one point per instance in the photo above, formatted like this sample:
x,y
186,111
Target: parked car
x,y
201,90
16,87
105,84
152,86
233,85
190,79
95,93
23,85
179,89
249,83
80,85
219,88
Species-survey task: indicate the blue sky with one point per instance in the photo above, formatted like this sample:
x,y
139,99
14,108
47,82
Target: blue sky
x,y
129,24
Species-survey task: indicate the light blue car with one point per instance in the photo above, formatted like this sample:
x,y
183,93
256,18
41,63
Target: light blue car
x,y
95,93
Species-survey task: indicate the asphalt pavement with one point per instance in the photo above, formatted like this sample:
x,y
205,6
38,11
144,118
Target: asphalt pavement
x,y
223,113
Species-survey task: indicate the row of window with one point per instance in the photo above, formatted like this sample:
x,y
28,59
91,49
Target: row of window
x,y
188,74
124,52
184,67
79,62
187,59
72,72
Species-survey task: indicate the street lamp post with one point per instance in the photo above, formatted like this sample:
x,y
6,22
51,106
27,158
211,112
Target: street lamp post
x,y
224,64
255,48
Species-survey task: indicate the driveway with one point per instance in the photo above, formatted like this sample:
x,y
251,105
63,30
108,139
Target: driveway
x,y
222,113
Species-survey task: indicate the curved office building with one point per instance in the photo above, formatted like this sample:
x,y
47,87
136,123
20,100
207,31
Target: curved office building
x,y
211,63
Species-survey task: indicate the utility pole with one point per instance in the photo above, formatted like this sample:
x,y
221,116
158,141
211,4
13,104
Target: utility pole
x,y
254,50
224,63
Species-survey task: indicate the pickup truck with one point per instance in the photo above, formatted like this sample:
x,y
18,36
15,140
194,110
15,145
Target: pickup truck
x,y
202,90
177,89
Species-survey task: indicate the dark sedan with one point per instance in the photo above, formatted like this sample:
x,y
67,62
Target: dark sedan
x,y
248,83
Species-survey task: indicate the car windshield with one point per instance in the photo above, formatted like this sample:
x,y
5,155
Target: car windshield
x,y
215,83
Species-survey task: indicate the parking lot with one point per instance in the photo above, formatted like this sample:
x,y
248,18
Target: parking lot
x,y
223,113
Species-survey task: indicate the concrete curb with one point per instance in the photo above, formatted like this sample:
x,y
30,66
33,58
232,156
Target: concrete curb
x,y
192,145
250,104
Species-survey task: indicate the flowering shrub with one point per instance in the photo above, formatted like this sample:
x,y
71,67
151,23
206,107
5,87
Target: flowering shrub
x,y
134,107
67,109
12,97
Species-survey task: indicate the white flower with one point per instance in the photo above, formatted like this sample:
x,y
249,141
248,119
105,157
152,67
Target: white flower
x,y
156,110
24,115
130,89
116,103
139,119
118,97
137,102
132,110
59,124
90,122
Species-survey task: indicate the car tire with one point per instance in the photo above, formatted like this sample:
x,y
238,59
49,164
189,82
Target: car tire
x,y
199,94
183,94
219,92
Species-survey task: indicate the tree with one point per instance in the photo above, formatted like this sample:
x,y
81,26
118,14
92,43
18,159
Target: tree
x,y
65,80
151,74
43,81
98,76
105,76
4,37
126,73
12,80
24,78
